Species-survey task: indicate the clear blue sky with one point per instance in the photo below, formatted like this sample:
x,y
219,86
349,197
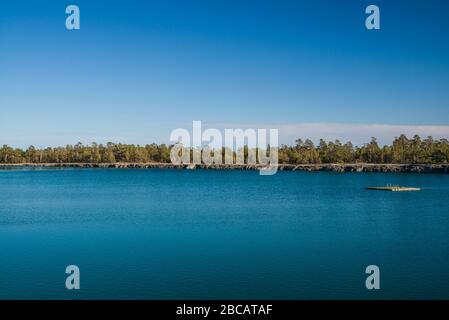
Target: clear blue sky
x,y
138,69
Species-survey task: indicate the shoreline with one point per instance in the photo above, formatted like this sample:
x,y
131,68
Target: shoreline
x,y
357,167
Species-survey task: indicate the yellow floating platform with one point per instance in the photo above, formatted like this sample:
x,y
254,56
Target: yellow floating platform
x,y
394,188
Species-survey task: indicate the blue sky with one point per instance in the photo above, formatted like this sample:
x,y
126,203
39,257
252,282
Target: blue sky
x,y
138,69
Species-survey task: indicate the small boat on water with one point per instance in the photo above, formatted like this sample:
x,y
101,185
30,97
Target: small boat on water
x,y
393,188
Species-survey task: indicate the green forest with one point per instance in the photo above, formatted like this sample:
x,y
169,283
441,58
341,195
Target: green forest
x,y
401,150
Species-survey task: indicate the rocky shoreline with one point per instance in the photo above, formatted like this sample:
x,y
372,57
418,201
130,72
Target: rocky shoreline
x,y
358,167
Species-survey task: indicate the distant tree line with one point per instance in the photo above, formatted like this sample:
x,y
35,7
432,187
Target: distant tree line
x,y
94,153
402,150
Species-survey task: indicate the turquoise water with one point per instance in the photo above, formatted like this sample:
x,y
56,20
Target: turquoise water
x,y
174,234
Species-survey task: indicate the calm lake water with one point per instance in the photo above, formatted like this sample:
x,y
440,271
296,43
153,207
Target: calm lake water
x,y
163,234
